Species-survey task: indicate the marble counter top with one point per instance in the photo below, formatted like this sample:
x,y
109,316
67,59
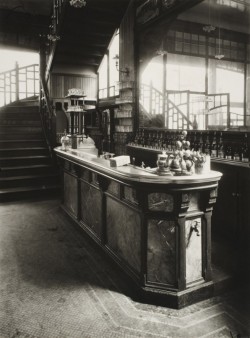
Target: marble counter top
x,y
132,173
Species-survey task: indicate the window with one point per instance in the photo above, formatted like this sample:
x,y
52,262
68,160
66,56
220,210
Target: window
x,y
108,73
103,78
113,72
228,77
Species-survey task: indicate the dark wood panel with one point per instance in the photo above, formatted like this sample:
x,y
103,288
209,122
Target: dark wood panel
x,y
91,212
71,194
225,214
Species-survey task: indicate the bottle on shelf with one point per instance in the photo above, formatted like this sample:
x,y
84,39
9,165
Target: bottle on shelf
x,y
214,147
245,150
207,147
221,150
142,138
200,146
236,152
165,141
195,123
136,138
196,143
228,152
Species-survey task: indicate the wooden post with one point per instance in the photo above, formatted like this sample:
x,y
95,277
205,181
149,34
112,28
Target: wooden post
x,y
228,111
150,97
17,81
164,91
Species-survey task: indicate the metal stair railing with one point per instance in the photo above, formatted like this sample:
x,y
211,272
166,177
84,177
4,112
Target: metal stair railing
x,y
153,101
176,119
19,83
179,107
219,102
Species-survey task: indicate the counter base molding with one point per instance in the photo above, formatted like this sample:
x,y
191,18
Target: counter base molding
x,y
156,229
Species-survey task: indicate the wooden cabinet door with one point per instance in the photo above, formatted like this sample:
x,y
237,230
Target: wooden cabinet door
x,y
225,218
244,203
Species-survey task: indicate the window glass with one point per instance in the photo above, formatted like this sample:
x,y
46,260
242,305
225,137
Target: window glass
x,y
103,78
185,73
113,72
225,77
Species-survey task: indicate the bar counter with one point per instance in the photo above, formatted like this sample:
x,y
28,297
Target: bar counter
x,y
156,228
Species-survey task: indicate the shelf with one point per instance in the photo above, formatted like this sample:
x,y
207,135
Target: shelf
x,y
231,162
123,101
123,129
123,85
121,115
153,150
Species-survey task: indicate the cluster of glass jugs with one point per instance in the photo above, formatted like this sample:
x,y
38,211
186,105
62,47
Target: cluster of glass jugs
x,y
178,161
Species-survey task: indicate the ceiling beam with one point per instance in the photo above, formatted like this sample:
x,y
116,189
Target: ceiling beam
x,y
80,34
62,58
83,51
85,41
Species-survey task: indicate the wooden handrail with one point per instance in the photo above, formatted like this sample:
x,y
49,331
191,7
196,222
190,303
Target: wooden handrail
x,y
47,117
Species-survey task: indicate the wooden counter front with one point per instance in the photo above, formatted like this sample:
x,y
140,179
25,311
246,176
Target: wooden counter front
x,y
157,229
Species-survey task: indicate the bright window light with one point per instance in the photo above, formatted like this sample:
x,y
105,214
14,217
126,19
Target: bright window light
x,y
9,57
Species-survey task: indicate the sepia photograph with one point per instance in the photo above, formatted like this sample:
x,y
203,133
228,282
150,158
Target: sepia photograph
x,y
124,168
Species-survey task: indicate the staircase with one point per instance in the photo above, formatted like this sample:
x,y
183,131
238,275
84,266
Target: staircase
x,y
26,168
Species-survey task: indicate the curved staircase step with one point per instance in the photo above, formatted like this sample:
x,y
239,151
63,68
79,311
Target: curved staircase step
x,y
31,169
22,160
28,151
26,167
28,180
22,143
37,191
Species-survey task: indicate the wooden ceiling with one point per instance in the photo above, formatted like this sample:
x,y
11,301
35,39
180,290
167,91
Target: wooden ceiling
x,y
231,15
33,7
86,32
23,21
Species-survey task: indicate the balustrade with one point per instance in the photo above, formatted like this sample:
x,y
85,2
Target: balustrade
x,y
19,83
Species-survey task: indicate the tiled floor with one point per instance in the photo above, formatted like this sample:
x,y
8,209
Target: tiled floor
x,y
53,284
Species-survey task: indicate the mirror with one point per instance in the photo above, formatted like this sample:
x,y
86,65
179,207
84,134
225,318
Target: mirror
x,y
194,70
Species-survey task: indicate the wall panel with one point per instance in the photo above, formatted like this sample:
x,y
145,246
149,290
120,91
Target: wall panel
x,y
60,84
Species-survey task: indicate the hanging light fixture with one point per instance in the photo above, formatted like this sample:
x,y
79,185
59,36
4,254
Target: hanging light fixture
x,y
53,37
161,50
209,28
219,56
78,3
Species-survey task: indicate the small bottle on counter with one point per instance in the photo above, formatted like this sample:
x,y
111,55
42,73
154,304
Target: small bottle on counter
x,y
65,141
